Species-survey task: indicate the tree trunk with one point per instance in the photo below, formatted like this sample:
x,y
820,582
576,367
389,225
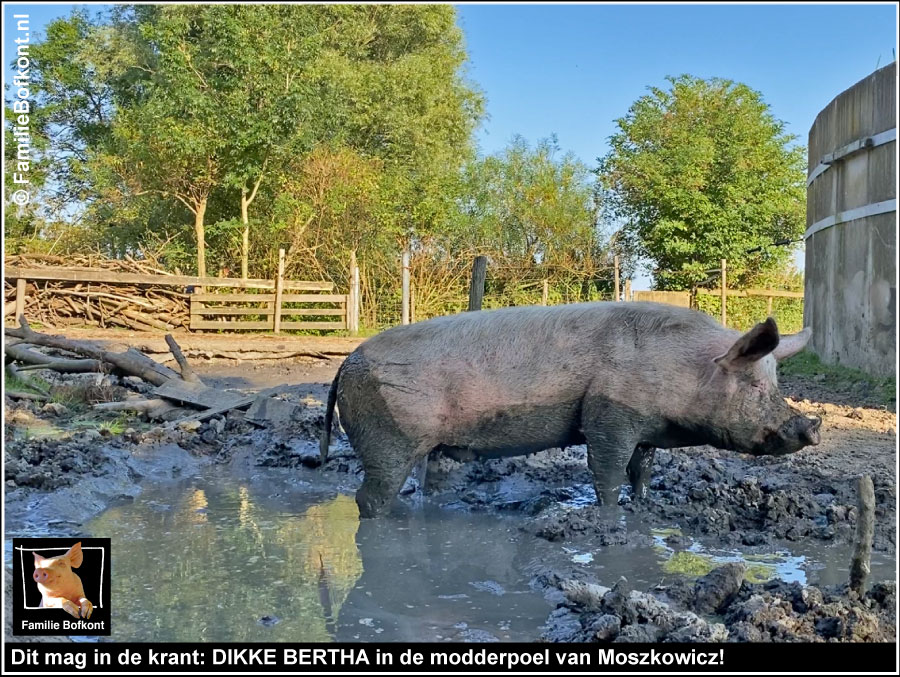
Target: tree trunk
x,y
200,231
245,236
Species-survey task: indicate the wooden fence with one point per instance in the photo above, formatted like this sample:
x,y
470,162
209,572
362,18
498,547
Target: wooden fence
x,y
319,301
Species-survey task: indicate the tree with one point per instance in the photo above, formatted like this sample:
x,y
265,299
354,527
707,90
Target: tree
x,y
700,172
211,111
530,206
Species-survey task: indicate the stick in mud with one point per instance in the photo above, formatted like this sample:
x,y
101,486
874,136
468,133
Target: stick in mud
x,y
187,373
865,528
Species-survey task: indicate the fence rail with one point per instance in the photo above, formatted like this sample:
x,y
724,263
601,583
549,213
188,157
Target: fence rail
x,y
273,305
223,309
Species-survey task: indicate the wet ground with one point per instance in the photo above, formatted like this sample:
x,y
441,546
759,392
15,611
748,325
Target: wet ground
x,y
228,533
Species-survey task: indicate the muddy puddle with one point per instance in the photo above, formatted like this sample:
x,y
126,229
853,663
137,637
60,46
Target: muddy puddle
x,y
275,555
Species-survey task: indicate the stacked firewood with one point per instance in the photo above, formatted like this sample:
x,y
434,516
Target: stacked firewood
x,y
142,307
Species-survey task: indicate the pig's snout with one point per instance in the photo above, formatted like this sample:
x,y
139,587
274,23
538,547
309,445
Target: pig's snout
x,y
810,430
40,576
800,431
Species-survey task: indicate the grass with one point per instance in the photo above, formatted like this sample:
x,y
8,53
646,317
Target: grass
x,y
808,364
695,565
15,383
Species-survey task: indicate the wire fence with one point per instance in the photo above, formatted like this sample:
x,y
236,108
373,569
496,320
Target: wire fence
x,y
438,290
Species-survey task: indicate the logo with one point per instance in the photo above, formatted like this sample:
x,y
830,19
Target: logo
x,y
61,586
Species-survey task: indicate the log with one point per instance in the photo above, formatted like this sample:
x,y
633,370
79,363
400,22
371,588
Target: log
x,y
187,373
32,359
130,362
860,566
153,408
18,395
14,373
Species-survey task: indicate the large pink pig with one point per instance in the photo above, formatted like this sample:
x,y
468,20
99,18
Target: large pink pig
x,y
59,585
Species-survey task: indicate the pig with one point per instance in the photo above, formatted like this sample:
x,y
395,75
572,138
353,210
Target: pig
x,y
59,585
624,378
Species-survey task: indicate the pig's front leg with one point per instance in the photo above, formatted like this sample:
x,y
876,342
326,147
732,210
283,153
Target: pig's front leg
x,y
86,607
611,440
71,608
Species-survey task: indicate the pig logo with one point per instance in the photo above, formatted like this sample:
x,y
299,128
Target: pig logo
x,y
62,586
59,585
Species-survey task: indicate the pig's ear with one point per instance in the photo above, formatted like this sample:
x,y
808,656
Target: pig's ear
x,y
37,559
792,344
75,556
752,346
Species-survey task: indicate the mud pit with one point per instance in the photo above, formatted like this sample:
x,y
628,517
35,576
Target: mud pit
x,y
725,547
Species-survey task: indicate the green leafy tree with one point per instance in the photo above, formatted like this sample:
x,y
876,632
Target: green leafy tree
x,y
530,206
700,172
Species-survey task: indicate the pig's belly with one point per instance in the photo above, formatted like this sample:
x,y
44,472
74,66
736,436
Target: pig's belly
x,y
525,430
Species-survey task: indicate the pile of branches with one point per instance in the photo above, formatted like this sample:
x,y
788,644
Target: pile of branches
x,y
141,307
72,357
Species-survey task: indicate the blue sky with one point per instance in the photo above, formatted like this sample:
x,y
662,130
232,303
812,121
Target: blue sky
x,y
573,69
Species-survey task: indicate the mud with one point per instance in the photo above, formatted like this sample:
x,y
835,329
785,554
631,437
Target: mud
x,y
721,607
705,508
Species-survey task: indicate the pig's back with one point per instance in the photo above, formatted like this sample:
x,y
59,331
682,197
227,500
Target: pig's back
x,y
455,372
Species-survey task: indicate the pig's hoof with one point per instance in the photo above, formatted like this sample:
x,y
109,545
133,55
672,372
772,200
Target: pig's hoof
x,y
71,608
86,608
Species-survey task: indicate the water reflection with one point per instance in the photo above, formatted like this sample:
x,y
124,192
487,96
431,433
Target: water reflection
x,y
218,565
268,558
221,561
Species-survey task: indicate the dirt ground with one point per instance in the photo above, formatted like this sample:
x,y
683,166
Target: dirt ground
x,y
716,497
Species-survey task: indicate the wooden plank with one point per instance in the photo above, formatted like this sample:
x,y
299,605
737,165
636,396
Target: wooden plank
x,y
672,298
404,288
753,292
312,325
197,394
279,292
20,298
207,310
724,294
215,411
476,284
314,298
313,311
228,326
77,275
233,298
616,279
353,298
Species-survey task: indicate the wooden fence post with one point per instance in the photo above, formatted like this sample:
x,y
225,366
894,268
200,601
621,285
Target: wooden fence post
x,y
545,294
628,290
476,286
768,306
404,311
279,289
616,276
20,298
724,296
354,300
860,565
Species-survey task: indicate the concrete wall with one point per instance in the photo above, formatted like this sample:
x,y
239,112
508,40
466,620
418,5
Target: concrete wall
x,y
851,274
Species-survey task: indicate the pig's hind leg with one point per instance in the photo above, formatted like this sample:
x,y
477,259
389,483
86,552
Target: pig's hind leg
x,y
639,468
387,463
